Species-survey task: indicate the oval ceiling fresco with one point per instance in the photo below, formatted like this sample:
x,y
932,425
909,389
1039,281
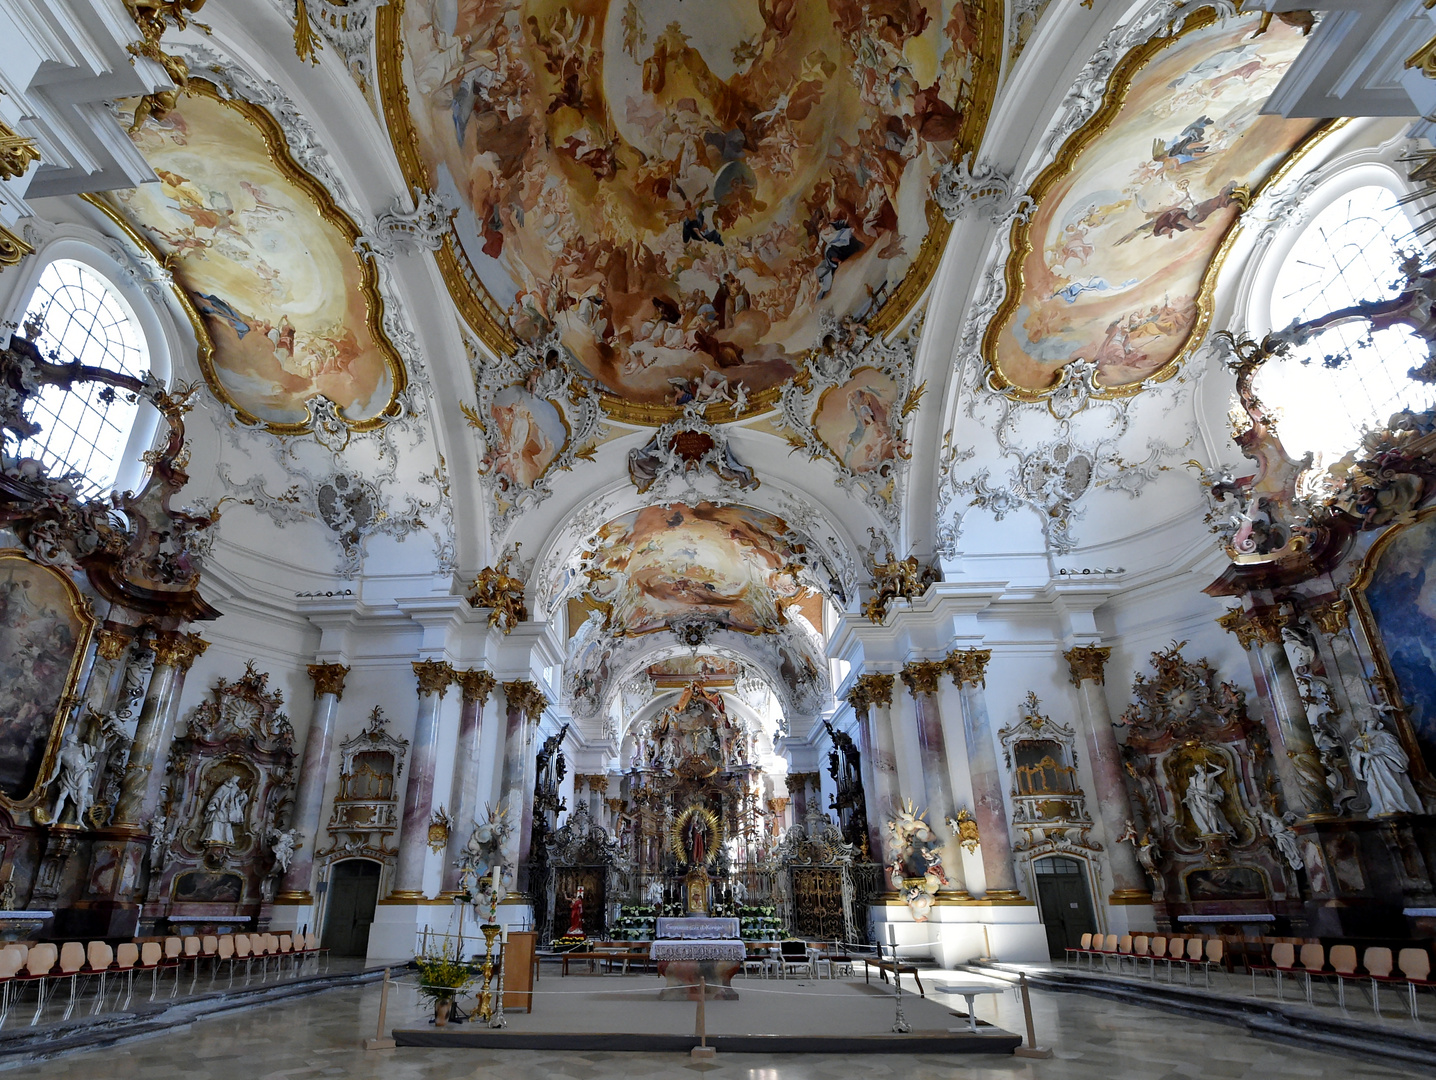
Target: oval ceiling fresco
x,y
683,189
1117,263
284,308
733,564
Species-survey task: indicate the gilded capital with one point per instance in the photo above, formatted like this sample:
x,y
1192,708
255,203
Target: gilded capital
x,y
1087,662
176,650
434,676
870,690
476,685
111,644
328,679
17,153
1260,626
968,666
1330,618
527,698
923,676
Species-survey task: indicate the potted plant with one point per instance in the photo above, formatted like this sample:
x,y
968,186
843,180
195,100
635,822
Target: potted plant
x,y
442,978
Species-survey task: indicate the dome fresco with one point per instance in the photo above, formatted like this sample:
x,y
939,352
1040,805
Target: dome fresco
x,y
684,190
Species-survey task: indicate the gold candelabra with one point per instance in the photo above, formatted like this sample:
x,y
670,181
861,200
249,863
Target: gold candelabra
x,y
486,995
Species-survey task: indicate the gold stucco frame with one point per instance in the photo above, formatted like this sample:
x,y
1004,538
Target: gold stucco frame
x,y
81,608
279,155
488,321
1119,83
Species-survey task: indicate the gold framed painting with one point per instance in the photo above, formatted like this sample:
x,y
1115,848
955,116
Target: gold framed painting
x,y
1394,594
45,629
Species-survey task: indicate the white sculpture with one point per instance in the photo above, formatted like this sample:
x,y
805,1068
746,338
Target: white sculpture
x,y
1204,801
1378,760
1279,829
77,776
225,810
653,894
1300,649
284,842
159,843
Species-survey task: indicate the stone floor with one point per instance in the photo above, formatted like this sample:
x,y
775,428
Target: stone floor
x,y
319,1037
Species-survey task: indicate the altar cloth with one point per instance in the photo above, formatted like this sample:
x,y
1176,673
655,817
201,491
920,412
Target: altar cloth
x,y
697,950
697,928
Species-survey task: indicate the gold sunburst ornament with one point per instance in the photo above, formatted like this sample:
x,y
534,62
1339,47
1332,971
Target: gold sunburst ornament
x,y
695,835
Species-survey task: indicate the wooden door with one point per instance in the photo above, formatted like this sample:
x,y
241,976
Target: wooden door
x,y
353,894
1065,903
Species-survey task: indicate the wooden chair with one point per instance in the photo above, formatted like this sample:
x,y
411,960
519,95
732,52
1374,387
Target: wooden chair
x,y
242,950
311,944
1074,951
1313,962
223,954
795,958
39,969
98,958
1157,954
1378,963
1415,964
1343,967
208,950
12,959
127,954
72,961
1215,955
152,955
190,955
1108,949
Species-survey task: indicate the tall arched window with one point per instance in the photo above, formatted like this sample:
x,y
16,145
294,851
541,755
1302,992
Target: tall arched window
x,y
1347,378
83,431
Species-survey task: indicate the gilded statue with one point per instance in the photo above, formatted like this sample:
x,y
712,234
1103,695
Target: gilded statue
x,y
502,592
895,579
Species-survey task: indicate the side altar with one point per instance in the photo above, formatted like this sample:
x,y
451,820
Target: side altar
x,y
695,947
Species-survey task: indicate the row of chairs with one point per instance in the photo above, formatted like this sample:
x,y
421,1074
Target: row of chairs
x,y
1186,952
46,965
1377,966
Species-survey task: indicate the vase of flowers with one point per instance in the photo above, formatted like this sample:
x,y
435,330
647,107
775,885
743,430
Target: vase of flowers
x,y
442,978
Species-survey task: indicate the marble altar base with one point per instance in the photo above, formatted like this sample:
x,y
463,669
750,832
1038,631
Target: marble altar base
x,y
683,974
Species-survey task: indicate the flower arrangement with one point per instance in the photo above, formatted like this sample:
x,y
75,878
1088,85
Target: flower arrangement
x,y
443,976
568,943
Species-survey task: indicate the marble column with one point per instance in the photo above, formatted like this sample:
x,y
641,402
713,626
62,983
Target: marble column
x,y
476,686
175,654
968,668
107,673
923,678
1087,664
1298,763
313,772
434,678
870,697
524,703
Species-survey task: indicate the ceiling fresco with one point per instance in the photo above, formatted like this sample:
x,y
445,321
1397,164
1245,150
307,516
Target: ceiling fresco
x,y
1132,218
686,668
732,564
682,190
257,247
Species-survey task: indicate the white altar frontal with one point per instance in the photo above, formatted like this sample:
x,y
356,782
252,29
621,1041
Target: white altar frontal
x,y
689,949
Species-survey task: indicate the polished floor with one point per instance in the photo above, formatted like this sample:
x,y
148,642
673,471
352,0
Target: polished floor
x,y
319,1037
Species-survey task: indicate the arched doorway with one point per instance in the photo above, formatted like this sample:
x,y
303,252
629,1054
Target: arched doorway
x,y
353,894
1065,902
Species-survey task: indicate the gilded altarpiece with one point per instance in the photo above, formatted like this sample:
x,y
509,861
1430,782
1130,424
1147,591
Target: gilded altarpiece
x,y
229,780
1200,771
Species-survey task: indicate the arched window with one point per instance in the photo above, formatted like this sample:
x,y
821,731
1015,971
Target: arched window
x,y
83,431
1347,378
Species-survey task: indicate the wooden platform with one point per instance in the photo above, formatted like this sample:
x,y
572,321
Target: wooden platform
x,y
771,1016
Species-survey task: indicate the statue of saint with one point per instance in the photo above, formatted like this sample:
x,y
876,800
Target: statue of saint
x,y
1204,801
77,776
695,840
285,841
575,914
1378,760
225,810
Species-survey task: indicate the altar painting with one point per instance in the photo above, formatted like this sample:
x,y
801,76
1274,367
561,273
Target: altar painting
x,y
267,264
684,189
1114,265
1397,590
44,632
734,564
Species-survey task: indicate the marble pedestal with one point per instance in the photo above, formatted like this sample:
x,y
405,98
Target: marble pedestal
x,y
682,975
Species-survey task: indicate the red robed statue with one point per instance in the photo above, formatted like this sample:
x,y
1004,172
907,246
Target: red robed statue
x,y
575,914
